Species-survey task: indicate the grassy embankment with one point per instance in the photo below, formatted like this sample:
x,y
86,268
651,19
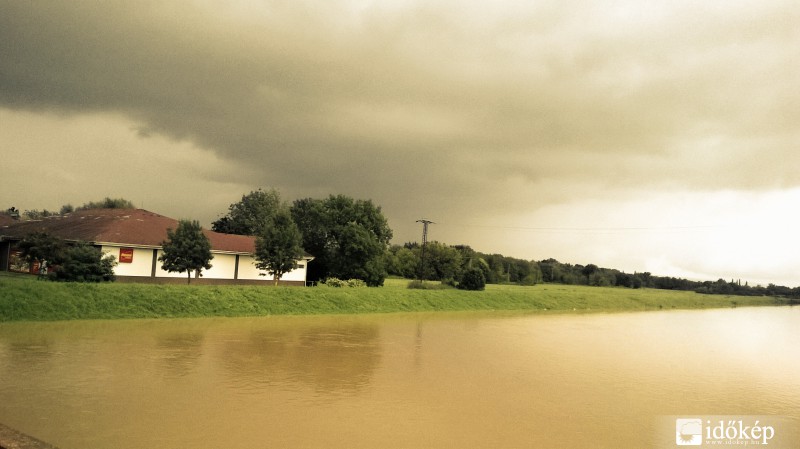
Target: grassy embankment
x,y
26,299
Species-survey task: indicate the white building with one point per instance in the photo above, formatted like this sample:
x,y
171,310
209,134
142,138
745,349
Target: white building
x,y
134,236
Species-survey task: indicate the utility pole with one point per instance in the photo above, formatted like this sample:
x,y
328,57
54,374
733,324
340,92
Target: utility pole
x,y
425,224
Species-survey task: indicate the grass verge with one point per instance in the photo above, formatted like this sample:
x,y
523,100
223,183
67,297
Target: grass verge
x,y
26,299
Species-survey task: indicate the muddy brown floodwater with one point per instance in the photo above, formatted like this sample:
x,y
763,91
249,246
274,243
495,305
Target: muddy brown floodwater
x,y
455,380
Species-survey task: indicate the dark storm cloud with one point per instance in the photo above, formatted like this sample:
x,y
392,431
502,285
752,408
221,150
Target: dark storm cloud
x,y
442,106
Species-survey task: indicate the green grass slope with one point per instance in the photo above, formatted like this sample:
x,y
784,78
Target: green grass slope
x,y
25,299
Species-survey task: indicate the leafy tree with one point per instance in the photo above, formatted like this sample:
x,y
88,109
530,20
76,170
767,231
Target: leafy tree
x,y
442,262
497,271
74,263
358,255
534,275
41,248
186,249
315,225
636,282
402,262
348,238
250,215
278,245
602,278
467,255
473,279
481,264
589,270
106,203
646,279
551,271
84,263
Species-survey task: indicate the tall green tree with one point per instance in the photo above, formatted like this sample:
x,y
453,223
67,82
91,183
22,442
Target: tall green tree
x,y
312,219
349,238
250,215
278,245
186,249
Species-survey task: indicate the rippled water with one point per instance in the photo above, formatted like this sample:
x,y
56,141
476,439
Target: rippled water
x,y
461,380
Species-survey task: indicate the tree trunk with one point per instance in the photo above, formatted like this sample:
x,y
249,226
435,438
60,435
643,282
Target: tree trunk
x,y
188,277
276,278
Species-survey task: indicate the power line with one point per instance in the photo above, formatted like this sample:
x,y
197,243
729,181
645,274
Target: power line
x,y
589,229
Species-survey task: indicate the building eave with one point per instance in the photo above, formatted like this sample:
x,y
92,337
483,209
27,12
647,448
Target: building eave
x,y
140,246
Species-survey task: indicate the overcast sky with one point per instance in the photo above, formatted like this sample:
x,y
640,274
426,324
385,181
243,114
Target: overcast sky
x,y
655,136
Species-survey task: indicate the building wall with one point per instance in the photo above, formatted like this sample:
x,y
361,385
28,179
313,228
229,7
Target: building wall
x,y
203,281
248,270
160,273
298,274
223,266
141,264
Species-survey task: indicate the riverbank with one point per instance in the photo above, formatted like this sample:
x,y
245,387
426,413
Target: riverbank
x,y
12,439
26,299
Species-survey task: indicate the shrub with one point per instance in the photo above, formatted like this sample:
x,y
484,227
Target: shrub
x,y
84,263
334,282
473,280
356,283
338,283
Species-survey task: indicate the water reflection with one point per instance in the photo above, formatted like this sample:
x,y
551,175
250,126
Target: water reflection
x,y
179,352
37,351
25,347
332,359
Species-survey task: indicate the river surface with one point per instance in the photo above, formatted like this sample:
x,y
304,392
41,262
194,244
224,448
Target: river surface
x,y
443,380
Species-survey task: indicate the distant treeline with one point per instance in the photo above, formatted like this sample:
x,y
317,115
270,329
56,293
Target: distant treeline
x,y
349,239
105,203
447,263
557,272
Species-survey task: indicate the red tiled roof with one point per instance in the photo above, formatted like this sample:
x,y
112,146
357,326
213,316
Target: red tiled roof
x,y
120,226
6,220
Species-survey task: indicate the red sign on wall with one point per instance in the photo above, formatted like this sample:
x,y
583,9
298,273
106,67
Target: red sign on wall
x,y
125,255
